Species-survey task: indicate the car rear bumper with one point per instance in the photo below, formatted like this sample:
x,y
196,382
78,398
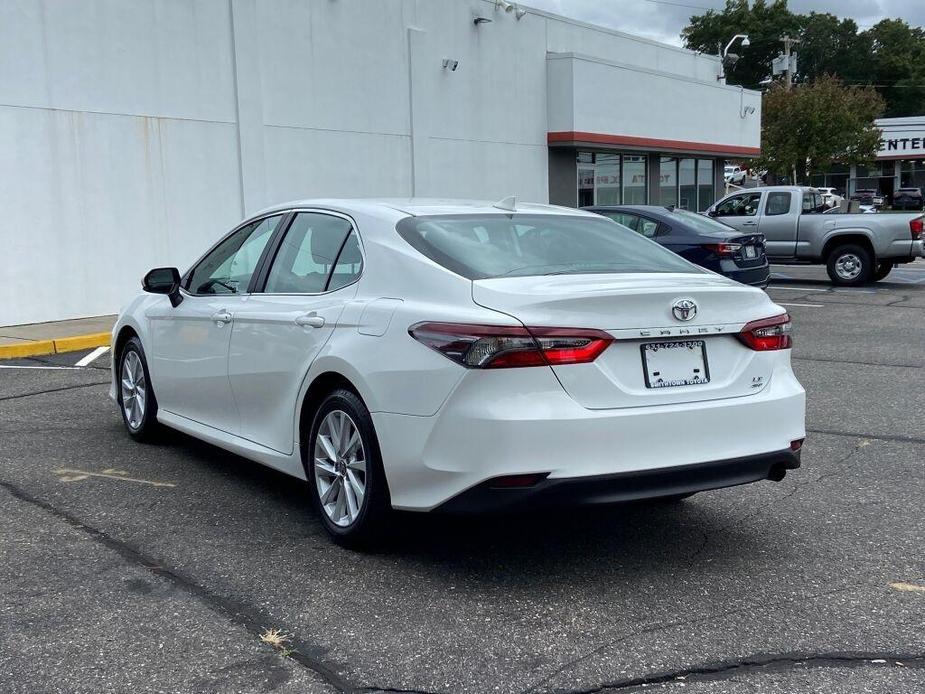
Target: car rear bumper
x,y
521,421
487,497
754,277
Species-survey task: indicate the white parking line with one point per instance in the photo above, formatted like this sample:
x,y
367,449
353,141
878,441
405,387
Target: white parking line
x,y
49,368
806,305
802,289
93,356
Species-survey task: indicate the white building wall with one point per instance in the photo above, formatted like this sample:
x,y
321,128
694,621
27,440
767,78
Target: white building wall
x,y
133,133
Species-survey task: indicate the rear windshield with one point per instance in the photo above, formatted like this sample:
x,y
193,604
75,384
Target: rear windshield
x,y
518,245
699,222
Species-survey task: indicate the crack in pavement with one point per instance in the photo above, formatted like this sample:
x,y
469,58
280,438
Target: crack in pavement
x,y
655,628
859,363
239,613
52,390
896,438
765,663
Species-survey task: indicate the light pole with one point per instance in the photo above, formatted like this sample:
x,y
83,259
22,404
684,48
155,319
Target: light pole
x,y
730,59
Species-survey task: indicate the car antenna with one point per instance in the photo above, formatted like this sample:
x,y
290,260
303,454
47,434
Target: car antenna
x,y
509,203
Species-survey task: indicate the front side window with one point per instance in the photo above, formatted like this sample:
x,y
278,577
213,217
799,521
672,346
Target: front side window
x,y
745,205
307,254
519,245
228,268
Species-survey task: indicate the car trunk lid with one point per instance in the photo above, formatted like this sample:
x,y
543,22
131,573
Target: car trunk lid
x,y
651,343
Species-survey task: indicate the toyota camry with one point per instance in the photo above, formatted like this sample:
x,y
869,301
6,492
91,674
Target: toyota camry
x,y
462,357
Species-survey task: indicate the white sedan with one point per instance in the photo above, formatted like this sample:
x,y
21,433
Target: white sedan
x,y
461,356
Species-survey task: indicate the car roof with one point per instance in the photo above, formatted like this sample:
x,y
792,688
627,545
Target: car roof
x,y
655,209
390,207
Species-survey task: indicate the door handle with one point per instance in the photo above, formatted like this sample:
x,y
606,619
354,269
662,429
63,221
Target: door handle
x,y
310,320
221,317
749,224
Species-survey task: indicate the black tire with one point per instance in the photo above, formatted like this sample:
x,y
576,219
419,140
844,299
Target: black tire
x,y
375,510
842,258
883,269
146,428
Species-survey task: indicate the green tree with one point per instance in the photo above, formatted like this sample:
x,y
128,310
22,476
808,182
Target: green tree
x,y
764,23
897,65
814,125
889,55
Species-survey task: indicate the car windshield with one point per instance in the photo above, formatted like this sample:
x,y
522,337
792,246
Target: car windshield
x,y
517,245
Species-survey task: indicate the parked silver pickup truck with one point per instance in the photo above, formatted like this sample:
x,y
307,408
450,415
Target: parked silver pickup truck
x,y
855,248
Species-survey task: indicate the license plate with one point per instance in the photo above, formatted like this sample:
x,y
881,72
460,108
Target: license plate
x,y
751,252
672,364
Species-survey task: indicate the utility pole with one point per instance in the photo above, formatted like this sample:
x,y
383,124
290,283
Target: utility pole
x,y
788,66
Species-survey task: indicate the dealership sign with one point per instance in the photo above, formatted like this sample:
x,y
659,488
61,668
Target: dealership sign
x,y
902,142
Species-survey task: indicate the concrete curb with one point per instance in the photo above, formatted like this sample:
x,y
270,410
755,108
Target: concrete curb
x,y
38,348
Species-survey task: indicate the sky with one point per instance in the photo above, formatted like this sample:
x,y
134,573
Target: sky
x,y
663,19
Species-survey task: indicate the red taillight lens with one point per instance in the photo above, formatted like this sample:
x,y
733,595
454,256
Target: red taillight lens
x,y
796,445
767,334
915,227
724,249
500,347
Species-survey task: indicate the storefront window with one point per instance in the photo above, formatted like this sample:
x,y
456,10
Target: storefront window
x,y
607,179
912,173
668,181
687,176
704,184
611,179
634,180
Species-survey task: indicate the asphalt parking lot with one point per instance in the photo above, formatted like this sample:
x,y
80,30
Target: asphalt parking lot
x,y
127,567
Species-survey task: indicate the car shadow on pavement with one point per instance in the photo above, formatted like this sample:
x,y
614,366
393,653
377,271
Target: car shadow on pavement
x,y
666,535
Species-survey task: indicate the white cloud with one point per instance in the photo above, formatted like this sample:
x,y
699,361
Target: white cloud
x,y
664,20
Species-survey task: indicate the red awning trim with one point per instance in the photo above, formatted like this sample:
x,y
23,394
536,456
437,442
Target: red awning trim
x,y
649,142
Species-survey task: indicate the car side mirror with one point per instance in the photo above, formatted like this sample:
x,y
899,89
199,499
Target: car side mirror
x,y
164,280
711,212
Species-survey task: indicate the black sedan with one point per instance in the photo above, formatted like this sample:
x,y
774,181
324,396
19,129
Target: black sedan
x,y
699,239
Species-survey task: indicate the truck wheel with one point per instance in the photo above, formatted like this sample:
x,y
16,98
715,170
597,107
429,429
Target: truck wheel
x,y
883,269
849,265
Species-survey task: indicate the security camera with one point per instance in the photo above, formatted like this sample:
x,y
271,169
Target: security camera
x,y
746,43
519,13
502,5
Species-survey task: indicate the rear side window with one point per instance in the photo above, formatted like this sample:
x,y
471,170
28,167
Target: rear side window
x,y
778,203
307,254
519,245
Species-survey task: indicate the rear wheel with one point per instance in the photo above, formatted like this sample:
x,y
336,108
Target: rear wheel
x,y
345,471
883,269
136,396
849,265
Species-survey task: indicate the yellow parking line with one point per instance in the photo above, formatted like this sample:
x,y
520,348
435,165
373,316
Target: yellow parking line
x,y
66,474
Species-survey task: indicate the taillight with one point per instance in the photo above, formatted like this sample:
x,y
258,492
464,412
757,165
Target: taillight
x,y
767,334
915,227
724,249
500,347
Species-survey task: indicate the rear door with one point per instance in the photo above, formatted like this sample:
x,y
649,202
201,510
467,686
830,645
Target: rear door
x,y
280,329
779,223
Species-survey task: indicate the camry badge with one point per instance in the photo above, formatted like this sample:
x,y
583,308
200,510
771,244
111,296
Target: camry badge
x,y
684,309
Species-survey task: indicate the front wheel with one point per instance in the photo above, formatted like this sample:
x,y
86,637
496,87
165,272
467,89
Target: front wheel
x,y
849,265
136,396
345,471
883,269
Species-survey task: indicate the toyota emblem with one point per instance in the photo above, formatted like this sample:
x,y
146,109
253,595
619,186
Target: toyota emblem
x,y
684,309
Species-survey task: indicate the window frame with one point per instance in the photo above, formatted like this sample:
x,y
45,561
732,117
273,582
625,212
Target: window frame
x,y
758,207
767,203
188,275
275,243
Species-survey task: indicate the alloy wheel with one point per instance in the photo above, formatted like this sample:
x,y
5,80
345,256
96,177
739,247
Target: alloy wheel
x,y
340,468
134,390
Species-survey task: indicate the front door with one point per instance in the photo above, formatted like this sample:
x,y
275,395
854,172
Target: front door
x,y
188,355
739,211
279,330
